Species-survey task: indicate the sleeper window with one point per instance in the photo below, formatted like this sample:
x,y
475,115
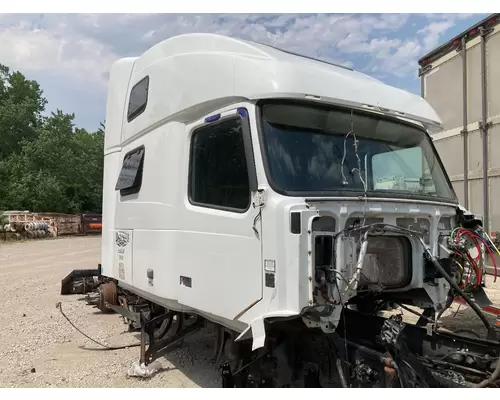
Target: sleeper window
x,y
218,171
138,99
130,178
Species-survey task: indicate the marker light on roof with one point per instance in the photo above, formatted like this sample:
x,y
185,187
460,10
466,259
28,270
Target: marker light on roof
x,y
212,118
242,112
473,32
491,21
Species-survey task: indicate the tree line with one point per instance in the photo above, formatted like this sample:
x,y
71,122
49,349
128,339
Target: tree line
x,y
47,164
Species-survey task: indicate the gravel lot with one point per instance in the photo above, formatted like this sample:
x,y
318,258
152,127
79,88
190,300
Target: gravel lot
x,y
35,335
40,348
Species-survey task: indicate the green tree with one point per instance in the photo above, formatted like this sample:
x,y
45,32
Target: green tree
x,y
46,163
59,171
21,107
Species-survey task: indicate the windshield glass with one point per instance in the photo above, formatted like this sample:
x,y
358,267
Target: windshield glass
x,y
313,150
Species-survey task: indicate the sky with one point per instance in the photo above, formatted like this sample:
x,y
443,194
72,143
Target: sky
x,y
70,54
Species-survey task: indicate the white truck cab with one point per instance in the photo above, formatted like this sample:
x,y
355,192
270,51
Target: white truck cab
x,y
276,196
233,169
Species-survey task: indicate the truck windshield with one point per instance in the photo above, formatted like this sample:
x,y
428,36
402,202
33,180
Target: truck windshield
x,y
310,150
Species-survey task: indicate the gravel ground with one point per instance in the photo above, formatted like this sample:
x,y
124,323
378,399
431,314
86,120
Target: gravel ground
x,y
40,348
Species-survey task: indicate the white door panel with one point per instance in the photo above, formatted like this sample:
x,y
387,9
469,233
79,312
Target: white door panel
x,y
220,263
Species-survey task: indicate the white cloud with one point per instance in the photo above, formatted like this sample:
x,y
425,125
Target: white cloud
x,y
431,33
58,51
80,48
455,17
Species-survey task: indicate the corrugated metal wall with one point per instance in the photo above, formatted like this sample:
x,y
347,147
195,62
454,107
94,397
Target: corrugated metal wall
x,y
493,85
443,87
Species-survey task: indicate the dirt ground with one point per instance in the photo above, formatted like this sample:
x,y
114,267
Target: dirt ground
x,y
39,348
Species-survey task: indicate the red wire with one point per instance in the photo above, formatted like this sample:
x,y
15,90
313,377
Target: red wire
x,y
477,271
474,266
489,252
470,259
478,246
476,237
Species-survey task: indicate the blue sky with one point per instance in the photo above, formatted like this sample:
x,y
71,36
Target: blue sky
x,y
70,54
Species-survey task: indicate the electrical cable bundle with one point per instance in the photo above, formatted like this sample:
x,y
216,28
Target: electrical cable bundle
x,y
471,274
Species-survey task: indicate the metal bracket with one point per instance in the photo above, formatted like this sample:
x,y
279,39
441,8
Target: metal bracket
x,y
430,329
423,70
158,348
485,31
391,329
132,316
259,199
226,375
484,127
81,276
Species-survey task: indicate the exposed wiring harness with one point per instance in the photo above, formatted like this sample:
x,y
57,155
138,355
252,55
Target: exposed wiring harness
x,y
359,168
437,265
471,274
475,274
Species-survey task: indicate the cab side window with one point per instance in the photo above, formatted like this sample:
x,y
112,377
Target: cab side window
x,y
218,173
